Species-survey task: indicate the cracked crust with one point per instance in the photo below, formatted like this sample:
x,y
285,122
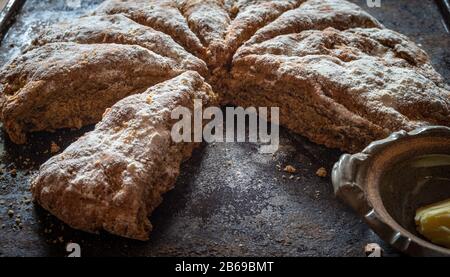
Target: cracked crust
x,y
342,89
69,85
209,20
317,15
113,177
162,15
257,21
250,15
121,30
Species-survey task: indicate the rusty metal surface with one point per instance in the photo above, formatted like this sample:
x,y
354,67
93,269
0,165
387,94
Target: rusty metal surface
x,y
229,199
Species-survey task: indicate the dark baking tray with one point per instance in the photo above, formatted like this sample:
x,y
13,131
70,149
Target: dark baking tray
x,y
229,199
444,6
8,10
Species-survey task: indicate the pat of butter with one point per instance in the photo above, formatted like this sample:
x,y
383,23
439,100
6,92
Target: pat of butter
x,y
433,222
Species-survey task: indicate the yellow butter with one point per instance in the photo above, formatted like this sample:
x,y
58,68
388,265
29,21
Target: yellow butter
x,y
433,222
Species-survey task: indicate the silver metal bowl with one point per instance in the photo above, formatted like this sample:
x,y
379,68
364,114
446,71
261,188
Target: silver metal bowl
x,y
389,180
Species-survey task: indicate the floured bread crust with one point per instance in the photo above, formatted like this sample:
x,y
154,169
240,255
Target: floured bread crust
x,y
69,85
317,15
342,89
113,177
209,20
251,15
119,29
161,15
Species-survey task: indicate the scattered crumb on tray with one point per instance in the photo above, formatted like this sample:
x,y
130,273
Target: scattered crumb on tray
x,y
290,169
54,148
373,250
13,172
322,172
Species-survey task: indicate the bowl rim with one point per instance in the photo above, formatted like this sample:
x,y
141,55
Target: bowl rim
x,y
356,184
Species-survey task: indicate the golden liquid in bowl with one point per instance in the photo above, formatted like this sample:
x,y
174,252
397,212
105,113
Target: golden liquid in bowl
x,y
414,183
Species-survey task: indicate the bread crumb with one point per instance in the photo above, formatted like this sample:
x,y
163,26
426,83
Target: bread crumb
x,y
373,250
54,148
290,169
13,172
322,172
